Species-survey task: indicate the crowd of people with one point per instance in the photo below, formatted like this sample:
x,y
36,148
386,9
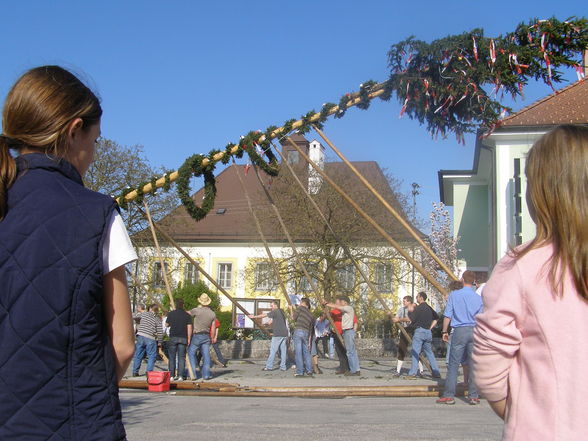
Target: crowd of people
x,y
74,341
193,332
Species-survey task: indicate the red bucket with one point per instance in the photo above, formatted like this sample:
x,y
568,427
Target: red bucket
x,y
158,381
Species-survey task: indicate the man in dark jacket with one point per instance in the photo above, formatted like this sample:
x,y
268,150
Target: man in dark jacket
x,y
424,319
180,332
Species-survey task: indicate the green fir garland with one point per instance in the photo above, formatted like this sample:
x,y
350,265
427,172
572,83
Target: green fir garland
x,y
447,85
193,167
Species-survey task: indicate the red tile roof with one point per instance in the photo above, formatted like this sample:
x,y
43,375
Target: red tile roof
x,y
236,224
566,106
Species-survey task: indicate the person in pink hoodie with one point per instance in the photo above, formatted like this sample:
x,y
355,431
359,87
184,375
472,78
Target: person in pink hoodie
x,y
530,350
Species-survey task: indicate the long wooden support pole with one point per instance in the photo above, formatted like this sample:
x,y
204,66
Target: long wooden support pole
x,y
160,257
347,251
388,207
297,256
262,236
204,273
370,220
378,90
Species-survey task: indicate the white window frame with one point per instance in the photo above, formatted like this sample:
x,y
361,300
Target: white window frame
x,y
157,275
264,277
191,274
224,278
346,277
383,276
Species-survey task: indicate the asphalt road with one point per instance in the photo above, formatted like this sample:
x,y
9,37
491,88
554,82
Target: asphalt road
x,y
160,416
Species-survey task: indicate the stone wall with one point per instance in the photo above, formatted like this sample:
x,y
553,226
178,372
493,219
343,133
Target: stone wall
x,y
366,347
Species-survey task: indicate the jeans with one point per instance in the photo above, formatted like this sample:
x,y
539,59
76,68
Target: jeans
x,y
325,342
349,337
277,343
331,346
143,345
302,352
177,345
341,355
422,339
200,343
219,354
462,344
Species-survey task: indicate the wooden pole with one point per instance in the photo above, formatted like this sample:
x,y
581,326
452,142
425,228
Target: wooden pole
x,y
347,251
262,236
201,270
370,220
378,90
160,257
301,264
388,207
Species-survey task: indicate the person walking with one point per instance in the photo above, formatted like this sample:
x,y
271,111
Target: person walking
x,y
303,324
424,319
66,322
149,338
462,307
280,334
179,323
528,341
200,342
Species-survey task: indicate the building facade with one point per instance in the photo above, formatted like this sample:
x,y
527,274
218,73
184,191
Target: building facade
x,y
489,207
228,247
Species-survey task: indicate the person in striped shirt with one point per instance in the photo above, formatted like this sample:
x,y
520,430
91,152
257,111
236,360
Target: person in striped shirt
x,y
149,337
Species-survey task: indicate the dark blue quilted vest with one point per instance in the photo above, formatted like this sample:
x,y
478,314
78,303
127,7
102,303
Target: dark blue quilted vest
x,y
57,377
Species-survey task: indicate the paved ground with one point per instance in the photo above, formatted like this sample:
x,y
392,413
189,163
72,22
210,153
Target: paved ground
x,y
157,416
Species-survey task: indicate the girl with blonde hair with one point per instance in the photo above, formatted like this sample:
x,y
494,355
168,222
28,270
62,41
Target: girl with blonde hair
x,y
529,348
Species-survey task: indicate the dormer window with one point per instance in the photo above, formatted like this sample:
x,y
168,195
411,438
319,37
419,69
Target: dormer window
x,y
293,157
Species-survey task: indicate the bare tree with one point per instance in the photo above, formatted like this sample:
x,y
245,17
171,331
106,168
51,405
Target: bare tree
x,y
114,168
322,251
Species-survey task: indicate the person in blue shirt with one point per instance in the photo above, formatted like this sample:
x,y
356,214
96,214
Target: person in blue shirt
x,y
462,307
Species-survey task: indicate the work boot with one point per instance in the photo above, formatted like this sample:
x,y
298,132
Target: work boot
x,y
315,368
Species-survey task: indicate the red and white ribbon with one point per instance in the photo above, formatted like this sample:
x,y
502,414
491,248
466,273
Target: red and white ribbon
x,y
475,48
492,52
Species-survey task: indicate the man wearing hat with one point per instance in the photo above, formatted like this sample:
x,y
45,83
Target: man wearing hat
x,y
204,327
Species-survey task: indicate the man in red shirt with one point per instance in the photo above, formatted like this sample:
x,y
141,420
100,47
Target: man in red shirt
x,y
336,315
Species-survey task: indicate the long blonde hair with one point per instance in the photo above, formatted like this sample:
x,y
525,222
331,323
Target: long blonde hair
x,y
557,195
36,114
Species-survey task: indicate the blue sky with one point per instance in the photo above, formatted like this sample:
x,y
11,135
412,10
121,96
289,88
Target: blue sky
x,y
183,77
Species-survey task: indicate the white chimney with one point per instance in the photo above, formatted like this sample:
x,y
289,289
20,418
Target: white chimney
x,y
316,152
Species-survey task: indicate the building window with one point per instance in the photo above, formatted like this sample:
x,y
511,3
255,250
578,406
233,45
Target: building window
x,y
225,272
264,277
293,157
346,277
157,274
305,284
383,273
190,273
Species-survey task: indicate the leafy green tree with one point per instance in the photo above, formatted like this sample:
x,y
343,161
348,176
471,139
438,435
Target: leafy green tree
x,y
190,292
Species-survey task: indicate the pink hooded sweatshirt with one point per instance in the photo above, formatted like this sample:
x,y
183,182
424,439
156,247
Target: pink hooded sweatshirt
x,y
531,347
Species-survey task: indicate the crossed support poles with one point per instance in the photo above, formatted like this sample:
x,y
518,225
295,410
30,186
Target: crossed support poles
x,y
299,261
